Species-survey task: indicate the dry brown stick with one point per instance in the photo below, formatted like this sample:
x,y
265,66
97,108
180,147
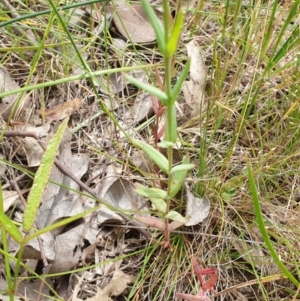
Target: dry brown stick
x,y
83,186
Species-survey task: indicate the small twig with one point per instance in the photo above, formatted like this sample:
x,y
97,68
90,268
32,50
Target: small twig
x,y
83,186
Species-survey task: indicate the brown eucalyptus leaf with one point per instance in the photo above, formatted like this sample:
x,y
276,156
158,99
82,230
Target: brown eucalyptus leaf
x,y
132,22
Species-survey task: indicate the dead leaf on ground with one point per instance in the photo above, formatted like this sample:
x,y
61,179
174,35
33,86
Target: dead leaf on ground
x,y
63,110
7,103
196,208
115,83
10,198
32,248
60,202
68,249
142,107
121,193
193,89
32,149
132,22
114,288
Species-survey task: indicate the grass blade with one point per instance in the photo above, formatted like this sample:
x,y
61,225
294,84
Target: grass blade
x,y
262,227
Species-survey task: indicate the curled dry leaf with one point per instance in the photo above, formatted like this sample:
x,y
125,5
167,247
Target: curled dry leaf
x,y
32,149
63,110
196,208
193,89
132,22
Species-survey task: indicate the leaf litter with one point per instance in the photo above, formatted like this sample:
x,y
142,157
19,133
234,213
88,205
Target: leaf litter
x,y
103,236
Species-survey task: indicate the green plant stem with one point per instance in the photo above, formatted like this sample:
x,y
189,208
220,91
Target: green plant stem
x,y
75,78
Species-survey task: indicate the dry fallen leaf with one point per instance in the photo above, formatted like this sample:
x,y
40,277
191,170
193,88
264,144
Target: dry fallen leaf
x,y
63,110
193,89
196,208
68,250
142,107
10,198
32,248
121,193
2,166
7,102
32,149
132,22
118,284
59,202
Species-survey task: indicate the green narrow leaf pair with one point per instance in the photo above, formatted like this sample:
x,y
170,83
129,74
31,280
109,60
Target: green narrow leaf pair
x,y
41,178
178,174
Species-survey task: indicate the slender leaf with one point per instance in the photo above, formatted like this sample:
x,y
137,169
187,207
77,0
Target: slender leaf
x,y
148,88
10,227
157,26
175,216
178,178
152,192
165,144
160,204
263,230
158,158
175,35
41,178
177,87
182,167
